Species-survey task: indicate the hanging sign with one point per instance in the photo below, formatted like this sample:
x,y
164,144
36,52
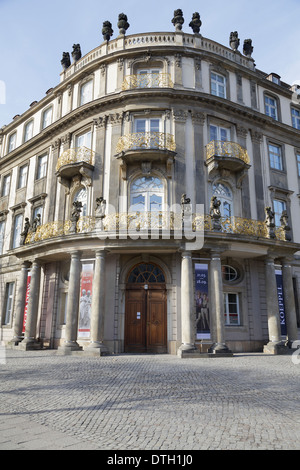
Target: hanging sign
x,y
26,301
202,303
85,304
281,302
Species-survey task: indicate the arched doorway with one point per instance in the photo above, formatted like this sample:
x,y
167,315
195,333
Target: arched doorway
x,y
146,310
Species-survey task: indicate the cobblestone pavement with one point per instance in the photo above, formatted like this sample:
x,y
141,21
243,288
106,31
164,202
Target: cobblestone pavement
x,y
148,402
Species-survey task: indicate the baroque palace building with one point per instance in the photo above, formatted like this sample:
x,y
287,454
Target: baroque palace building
x,y
150,202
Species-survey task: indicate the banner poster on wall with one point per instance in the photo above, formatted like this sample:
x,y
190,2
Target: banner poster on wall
x,y
26,301
281,302
202,303
85,304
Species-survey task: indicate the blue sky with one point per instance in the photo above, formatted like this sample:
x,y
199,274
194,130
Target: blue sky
x,y
34,33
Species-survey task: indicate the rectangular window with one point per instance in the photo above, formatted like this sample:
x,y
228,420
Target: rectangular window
x,y
231,309
86,92
275,155
271,107
296,118
218,85
148,78
47,118
17,230
12,142
2,229
298,163
41,167
5,185
151,129
219,133
28,133
84,140
279,206
38,211
23,176
9,295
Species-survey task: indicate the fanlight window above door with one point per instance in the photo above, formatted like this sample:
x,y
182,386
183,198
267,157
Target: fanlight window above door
x,y
146,273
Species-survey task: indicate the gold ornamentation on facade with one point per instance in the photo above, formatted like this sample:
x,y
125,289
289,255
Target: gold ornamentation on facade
x,y
226,149
147,80
80,154
146,140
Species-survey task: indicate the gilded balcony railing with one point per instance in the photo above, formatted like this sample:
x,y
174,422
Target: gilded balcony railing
x,y
128,222
226,149
147,80
146,140
79,154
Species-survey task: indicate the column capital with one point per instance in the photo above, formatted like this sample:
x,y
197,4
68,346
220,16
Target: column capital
x,y
75,254
100,252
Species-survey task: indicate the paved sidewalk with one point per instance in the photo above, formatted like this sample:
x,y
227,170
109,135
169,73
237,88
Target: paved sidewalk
x,y
148,402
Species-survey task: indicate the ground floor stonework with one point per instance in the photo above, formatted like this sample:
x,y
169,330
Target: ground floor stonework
x,y
184,302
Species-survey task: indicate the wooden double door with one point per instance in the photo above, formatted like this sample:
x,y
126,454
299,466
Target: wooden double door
x,y
146,319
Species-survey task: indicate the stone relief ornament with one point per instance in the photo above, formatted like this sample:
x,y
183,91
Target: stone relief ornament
x,y
123,24
107,30
248,48
196,23
234,41
76,53
65,61
178,20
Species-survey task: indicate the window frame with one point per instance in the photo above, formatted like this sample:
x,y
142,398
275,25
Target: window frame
x,y
275,107
22,178
298,162
88,80
2,235
272,162
216,92
296,118
9,140
227,313
224,198
28,123
45,111
16,243
4,178
277,215
38,166
147,193
8,303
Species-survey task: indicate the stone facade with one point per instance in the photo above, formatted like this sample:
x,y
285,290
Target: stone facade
x,y
145,175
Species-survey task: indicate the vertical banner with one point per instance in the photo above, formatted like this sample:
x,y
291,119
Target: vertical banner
x,y
85,304
26,301
202,304
281,302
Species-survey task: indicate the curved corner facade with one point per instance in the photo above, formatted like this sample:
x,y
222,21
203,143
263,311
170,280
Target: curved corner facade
x,y
150,203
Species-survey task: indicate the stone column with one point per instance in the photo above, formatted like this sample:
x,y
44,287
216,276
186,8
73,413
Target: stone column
x,y
97,318
258,174
187,305
20,303
274,344
30,341
216,287
289,302
70,343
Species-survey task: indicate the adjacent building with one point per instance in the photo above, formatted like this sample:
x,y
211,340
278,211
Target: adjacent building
x,y
150,202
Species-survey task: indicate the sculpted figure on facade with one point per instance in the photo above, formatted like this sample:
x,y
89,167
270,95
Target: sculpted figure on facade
x,y
25,231
107,30
284,220
196,23
77,208
178,20
65,61
215,213
36,222
76,53
269,221
123,24
234,40
100,212
248,48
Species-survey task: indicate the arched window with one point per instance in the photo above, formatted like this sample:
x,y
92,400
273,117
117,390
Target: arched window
x,y
146,194
146,273
81,196
224,194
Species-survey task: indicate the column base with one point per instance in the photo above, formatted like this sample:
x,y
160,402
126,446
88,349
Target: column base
x,y
29,344
276,347
97,349
68,347
220,349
